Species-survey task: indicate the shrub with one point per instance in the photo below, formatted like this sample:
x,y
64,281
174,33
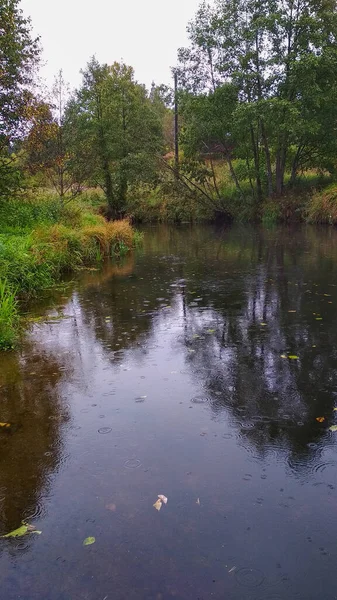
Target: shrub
x,y
322,207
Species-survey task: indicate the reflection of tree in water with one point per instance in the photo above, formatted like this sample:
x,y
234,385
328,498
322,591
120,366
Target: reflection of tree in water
x,y
227,286
121,312
235,339
31,448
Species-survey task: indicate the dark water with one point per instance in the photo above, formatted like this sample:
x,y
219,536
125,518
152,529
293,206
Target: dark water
x,y
165,376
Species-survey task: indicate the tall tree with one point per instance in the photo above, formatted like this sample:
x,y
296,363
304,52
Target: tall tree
x,y
282,57
19,54
119,128
49,144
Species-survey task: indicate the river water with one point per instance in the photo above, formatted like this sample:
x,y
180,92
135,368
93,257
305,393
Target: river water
x,y
169,373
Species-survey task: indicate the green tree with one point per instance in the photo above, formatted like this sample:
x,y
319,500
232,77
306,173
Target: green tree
x,y
49,145
282,58
19,54
118,130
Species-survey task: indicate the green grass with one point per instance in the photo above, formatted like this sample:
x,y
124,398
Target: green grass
x,y
41,240
8,316
322,207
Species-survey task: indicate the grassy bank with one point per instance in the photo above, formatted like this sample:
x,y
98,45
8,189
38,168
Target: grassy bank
x,y
40,240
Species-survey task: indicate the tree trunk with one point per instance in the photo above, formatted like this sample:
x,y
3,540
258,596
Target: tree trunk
x,y
268,159
294,166
256,164
280,168
233,174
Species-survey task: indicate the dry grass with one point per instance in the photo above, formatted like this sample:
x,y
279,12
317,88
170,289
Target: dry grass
x,y
323,206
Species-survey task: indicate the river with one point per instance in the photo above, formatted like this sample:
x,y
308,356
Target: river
x,y
203,367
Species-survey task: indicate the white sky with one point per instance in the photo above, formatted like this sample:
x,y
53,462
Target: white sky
x,y
144,33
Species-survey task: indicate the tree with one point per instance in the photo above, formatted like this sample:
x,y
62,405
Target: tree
x,y
282,58
49,144
118,129
19,54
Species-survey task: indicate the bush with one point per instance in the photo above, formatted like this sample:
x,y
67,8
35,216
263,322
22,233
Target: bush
x,y
322,207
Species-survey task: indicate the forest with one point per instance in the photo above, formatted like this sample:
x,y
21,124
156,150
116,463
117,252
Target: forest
x,y
246,133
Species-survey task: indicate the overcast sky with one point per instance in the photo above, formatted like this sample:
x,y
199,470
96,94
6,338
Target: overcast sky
x,y
144,33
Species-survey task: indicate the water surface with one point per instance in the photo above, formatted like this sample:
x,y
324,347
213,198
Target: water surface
x,y
168,373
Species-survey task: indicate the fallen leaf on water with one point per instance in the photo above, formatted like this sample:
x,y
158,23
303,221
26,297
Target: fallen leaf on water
x,y
320,419
333,428
23,530
5,424
284,356
157,505
293,357
210,331
292,311
263,324
111,507
88,541
162,498
319,319
335,408
198,501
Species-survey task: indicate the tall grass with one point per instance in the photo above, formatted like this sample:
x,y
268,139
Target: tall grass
x,y
322,207
8,316
39,241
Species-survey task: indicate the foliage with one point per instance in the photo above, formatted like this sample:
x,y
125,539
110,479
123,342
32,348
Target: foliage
x,y
117,131
19,54
323,206
8,316
49,148
278,61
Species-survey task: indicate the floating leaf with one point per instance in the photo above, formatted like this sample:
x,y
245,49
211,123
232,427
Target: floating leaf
x,y
293,357
162,498
23,530
158,504
333,428
88,541
319,319
5,425
263,324
198,501
111,507
335,408
292,311
320,419
210,331
284,356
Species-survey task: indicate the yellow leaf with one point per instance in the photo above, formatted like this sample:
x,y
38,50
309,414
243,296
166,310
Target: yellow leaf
x,y
320,419
157,505
333,428
88,541
5,424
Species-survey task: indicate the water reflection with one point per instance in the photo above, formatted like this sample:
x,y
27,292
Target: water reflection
x,y
168,372
31,448
244,299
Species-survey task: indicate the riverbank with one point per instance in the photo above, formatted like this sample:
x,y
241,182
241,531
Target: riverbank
x,y
41,240
311,199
